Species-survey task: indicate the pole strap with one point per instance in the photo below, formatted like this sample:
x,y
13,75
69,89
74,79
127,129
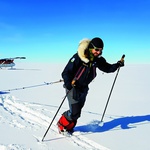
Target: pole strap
x,y
78,75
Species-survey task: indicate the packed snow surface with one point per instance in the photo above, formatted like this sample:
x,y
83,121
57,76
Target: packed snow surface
x,y
26,113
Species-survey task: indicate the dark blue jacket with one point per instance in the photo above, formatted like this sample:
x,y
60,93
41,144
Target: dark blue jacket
x,y
89,71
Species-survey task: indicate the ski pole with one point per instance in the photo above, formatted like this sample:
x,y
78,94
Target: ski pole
x,y
32,86
55,114
122,59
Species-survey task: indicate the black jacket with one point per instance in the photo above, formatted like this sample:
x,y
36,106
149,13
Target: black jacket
x,y
89,71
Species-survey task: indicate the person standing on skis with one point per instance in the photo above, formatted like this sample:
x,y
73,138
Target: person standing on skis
x,y
78,73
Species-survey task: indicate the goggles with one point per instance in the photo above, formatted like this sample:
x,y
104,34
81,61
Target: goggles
x,y
96,48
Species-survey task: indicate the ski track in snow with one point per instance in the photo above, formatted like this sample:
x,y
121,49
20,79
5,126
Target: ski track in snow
x,y
13,147
33,116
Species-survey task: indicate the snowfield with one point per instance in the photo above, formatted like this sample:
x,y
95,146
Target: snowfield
x,y
25,114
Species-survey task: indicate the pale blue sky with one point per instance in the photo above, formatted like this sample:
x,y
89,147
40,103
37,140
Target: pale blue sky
x,y
50,30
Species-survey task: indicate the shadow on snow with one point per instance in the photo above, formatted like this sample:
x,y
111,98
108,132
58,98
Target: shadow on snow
x,y
123,122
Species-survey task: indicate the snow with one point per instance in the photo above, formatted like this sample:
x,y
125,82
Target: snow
x,y
25,114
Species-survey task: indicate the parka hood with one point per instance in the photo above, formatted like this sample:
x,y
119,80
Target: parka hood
x,y
83,45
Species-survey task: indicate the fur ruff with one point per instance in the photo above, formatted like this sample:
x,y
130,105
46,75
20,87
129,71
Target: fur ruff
x,y
81,49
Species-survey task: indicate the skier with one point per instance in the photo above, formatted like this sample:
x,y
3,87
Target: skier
x,y
78,73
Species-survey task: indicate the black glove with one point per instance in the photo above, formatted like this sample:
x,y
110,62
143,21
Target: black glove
x,y
68,86
120,63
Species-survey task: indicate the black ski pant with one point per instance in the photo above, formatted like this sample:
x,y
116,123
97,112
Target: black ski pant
x,y
76,99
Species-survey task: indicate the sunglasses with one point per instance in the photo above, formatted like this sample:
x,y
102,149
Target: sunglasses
x,y
96,48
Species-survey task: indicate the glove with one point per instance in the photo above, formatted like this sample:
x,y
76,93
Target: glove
x,y
68,86
120,63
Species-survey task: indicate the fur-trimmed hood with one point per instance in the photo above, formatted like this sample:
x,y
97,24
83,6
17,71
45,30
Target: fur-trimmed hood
x,y
83,44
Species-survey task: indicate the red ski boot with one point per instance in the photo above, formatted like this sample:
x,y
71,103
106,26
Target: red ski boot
x,y
65,126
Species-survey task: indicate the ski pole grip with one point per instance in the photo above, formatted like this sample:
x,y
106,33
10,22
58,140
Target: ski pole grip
x,y
122,58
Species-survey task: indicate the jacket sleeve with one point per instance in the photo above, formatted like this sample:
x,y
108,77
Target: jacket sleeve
x,y
103,65
69,71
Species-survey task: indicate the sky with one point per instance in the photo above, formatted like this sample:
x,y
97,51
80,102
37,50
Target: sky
x,y
50,30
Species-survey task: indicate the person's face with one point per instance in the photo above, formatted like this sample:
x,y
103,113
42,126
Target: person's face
x,y
96,51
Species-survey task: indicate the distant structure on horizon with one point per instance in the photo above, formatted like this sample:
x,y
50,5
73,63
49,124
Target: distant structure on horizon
x,y
9,62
